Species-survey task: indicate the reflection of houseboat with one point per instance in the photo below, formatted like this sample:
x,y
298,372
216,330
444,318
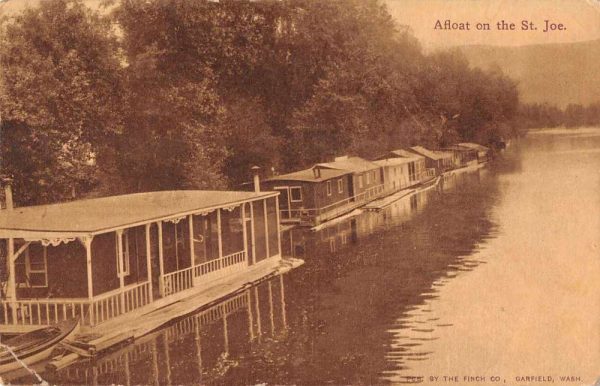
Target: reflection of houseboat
x,y
214,338
327,190
114,260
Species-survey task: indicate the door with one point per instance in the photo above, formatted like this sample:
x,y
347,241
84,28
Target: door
x,y
284,201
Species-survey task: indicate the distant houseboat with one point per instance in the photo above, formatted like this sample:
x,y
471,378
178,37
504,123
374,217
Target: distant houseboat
x,y
327,190
463,156
107,260
483,152
440,161
417,169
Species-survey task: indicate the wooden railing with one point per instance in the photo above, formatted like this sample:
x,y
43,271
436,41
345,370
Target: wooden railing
x,y
178,281
337,207
41,312
223,265
183,279
115,303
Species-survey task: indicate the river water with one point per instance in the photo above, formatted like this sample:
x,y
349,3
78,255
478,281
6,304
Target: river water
x,y
491,277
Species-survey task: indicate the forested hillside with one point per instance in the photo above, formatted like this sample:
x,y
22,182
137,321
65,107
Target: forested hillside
x,y
177,94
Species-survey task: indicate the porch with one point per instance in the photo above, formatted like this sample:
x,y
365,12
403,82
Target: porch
x,y
101,276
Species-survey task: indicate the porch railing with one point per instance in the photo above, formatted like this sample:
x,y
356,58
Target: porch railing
x,y
337,207
115,303
40,312
183,279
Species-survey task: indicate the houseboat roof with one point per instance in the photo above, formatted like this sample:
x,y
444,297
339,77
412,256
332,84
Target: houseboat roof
x,y
353,164
432,154
308,175
401,153
395,161
475,146
99,215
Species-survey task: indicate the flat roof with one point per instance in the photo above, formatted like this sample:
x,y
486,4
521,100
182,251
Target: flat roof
x,y
395,161
353,164
307,175
405,154
475,146
433,154
99,215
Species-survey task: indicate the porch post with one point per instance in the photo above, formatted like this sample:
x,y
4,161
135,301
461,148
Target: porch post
x,y
264,202
90,288
219,233
244,234
149,262
278,225
11,285
253,233
191,224
121,268
161,265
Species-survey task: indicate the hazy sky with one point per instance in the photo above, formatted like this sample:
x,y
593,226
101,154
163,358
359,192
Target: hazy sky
x,y
581,19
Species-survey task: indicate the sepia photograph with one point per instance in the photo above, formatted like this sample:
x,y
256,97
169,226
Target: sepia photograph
x,y
300,192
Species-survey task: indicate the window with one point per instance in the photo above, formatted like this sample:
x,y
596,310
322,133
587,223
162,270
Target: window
x,y
368,178
329,188
340,186
296,194
36,265
360,181
125,246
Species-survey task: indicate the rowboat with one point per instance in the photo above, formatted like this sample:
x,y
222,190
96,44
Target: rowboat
x,y
34,346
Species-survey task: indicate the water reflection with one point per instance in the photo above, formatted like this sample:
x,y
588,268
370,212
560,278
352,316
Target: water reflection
x,y
199,348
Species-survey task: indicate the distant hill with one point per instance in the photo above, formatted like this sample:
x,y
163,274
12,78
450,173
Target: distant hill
x,y
555,73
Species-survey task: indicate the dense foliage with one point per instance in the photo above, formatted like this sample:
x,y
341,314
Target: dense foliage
x,y
147,95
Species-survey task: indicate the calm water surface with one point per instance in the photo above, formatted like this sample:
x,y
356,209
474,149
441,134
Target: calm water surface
x,y
495,273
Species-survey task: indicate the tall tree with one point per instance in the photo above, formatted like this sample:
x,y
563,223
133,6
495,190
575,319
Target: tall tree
x,y
59,98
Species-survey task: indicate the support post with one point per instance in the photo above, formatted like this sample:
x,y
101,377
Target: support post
x,y
121,268
149,263
90,287
225,332
192,252
250,318
244,232
161,265
12,280
268,254
219,233
253,233
278,225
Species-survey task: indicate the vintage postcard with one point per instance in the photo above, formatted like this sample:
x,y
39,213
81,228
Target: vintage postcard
x,y
300,192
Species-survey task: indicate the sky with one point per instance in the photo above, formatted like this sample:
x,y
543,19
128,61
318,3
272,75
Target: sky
x,y
580,18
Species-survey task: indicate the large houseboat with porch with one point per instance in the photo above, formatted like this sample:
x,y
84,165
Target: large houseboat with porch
x,y
146,257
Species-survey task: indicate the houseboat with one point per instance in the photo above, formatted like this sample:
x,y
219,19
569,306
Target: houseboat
x,y
327,190
400,172
113,262
463,156
417,169
483,152
440,161
308,195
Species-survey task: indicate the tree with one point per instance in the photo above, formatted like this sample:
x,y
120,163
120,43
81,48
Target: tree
x,y
59,95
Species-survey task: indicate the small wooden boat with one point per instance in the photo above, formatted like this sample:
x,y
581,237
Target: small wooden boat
x,y
34,346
